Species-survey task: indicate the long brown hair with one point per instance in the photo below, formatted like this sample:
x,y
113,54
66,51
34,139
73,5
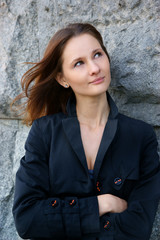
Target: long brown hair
x,y
44,94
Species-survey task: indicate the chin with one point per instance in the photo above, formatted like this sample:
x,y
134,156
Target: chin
x,y
101,90
97,93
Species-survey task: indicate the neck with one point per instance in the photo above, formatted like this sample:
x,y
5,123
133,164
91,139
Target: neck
x,y
92,111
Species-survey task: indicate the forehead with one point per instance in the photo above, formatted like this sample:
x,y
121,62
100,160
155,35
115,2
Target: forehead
x,y
80,46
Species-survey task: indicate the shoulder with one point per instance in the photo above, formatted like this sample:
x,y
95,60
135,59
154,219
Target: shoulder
x,y
50,120
133,123
46,124
134,127
43,129
139,136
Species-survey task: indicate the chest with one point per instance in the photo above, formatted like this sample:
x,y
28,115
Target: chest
x,y
68,177
91,140
72,148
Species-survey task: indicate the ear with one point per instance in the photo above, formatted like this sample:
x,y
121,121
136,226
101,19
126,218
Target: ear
x,y
61,80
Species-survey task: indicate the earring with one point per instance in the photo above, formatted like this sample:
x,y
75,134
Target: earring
x,y
66,85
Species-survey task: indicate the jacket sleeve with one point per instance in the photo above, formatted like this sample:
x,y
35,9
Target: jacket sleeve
x,y
136,222
36,213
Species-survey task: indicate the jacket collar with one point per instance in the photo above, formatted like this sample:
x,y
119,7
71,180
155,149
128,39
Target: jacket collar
x,y
72,131
71,107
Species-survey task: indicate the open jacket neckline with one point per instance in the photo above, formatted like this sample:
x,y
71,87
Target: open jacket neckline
x,y
71,128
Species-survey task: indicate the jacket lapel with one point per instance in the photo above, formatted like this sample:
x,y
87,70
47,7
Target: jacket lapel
x,y
107,138
108,135
72,132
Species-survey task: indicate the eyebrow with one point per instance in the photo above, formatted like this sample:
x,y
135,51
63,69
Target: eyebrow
x,y
80,58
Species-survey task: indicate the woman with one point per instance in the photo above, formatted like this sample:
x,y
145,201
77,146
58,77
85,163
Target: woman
x,y
89,172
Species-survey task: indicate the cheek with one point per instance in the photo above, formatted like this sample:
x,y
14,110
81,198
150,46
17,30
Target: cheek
x,y
107,69
76,77
107,64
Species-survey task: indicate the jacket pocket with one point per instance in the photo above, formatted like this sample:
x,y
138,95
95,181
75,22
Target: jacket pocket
x,y
124,182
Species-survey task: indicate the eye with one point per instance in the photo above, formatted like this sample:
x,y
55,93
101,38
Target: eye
x,y
98,54
77,64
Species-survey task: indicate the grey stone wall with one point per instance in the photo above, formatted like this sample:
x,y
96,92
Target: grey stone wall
x,y
131,30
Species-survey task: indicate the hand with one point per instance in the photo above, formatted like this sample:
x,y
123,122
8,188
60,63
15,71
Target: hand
x,y
111,203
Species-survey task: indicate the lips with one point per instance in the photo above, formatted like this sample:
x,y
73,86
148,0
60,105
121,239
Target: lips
x,y
97,80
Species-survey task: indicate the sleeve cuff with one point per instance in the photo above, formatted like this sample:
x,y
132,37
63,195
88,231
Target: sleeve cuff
x,y
89,215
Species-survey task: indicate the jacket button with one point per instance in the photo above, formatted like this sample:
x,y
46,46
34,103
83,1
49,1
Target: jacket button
x,y
98,186
72,202
54,203
117,181
107,225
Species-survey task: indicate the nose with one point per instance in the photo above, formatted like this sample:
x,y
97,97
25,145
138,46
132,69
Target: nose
x,y
93,68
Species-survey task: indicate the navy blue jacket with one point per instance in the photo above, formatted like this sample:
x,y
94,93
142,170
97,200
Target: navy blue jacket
x,y
56,199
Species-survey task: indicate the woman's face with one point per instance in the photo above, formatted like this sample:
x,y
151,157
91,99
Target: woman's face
x,y
85,66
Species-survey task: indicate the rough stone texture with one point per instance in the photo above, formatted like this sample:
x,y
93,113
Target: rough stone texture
x,y
12,140
131,31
